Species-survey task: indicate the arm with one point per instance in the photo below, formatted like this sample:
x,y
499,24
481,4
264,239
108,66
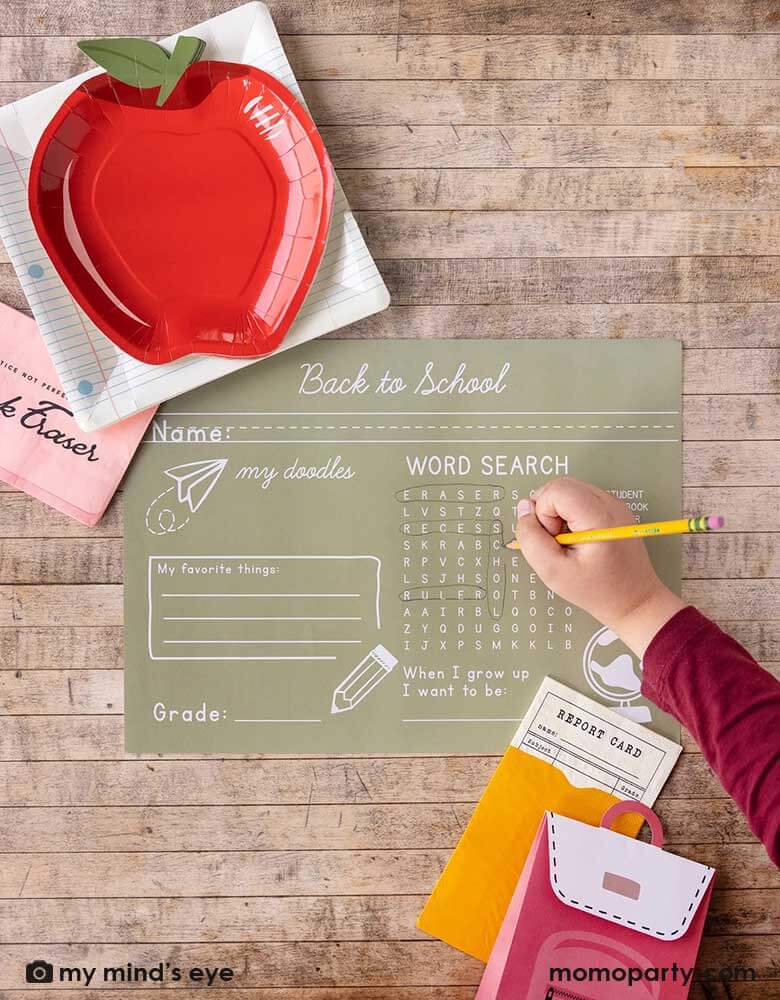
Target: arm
x,y
731,706
691,669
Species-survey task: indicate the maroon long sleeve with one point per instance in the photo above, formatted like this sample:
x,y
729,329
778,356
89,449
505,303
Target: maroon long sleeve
x,y
731,706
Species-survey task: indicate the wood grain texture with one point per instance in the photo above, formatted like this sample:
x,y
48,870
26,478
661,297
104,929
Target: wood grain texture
x,y
525,102
509,57
706,324
624,17
235,781
305,828
543,102
565,169
552,146
99,560
402,234
344,827
582,233
150,17
712,990
269,873
313,918
464,57
69,604
60,647
583,279
377,963
745,508
660,189
64,736
38,17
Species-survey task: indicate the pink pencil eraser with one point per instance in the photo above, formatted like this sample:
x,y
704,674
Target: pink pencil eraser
x,y
715,522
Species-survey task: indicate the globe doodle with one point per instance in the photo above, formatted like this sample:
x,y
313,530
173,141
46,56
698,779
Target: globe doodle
x,y
615,674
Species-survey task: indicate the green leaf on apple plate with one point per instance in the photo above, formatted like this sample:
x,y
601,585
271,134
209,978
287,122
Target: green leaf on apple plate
x,y
141,63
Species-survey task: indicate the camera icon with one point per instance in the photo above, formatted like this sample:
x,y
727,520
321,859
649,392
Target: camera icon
x,y
39,972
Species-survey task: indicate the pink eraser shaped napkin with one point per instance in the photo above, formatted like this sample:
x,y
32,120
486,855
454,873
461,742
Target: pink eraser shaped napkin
x,y
43,451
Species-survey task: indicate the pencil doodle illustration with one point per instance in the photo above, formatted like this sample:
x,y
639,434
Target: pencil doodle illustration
x,y
193,482
360,682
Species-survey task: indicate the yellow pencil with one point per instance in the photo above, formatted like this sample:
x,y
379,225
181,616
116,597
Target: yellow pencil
x,y
654,529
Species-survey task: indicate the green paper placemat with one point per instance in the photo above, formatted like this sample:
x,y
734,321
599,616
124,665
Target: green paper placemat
x,y
314,553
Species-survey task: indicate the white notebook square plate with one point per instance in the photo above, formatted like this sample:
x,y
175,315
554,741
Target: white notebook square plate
x,y
103,384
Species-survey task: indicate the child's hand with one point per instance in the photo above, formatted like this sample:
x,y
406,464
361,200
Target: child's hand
x,y
613,581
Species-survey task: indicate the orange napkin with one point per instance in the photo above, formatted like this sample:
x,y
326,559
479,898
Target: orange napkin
x,y
468,903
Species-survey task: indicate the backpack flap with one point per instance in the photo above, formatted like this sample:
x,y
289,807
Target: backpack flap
x,y
622,880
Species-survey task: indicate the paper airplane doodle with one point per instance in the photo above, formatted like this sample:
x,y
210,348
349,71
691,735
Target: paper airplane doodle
x,y
193,483
195,480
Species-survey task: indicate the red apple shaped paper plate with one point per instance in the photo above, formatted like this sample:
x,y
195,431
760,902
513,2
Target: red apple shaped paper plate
x,y
184,204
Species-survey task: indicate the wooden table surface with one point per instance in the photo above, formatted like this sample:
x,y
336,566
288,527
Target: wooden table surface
x,y
520,169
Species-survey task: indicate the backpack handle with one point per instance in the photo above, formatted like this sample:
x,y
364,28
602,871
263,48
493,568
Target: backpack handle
x,y
632,806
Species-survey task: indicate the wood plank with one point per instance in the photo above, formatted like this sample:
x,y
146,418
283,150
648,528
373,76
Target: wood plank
x,y
551,233
743,463
215,873
487,57
714,371
571,280
697,325
445,234
317,918
704,325
594,279
680,146
99,560
745,509
717,598
287,873
76,648
70,604
61,605
757,990
339,17
732,555
312,918
538,102
464,57
148,17
626,17
555,147
733,418
525,102
21,516
61,692
654,189
60,560
326,993
362,964
62,736
60,647
281,781
304,827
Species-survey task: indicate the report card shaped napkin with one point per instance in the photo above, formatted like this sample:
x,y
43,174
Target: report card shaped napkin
x,y
597,914
570,755
43,451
